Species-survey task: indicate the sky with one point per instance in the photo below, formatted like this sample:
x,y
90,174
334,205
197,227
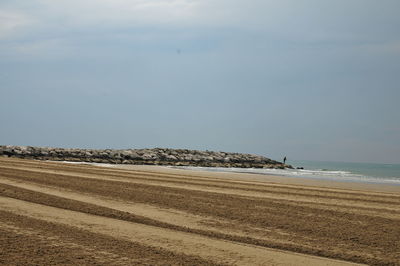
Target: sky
x,y
306,79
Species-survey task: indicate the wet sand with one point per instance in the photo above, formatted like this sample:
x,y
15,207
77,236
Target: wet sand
x,y
59,213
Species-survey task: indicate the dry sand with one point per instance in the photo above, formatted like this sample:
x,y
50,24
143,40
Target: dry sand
x,y
58,213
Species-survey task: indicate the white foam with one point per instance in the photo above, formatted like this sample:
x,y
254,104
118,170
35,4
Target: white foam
x,y
305,173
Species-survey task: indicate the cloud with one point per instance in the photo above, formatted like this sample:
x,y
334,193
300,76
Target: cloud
x,y
47,48
391,48
11,22
118,12
302,21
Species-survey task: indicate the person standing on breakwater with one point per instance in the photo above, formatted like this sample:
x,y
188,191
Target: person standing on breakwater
x,y
284,160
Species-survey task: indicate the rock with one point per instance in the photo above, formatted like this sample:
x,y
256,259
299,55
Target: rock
x,y
156,156
171,158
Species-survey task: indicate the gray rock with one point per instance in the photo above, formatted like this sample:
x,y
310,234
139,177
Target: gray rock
x,y
171,158
156,156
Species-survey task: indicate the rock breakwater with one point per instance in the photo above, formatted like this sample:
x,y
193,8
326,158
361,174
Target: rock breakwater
x,y
156,156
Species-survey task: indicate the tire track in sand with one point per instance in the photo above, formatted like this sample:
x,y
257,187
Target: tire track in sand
x,y
220,251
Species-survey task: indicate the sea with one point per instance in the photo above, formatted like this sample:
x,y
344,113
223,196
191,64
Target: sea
x,y
376,173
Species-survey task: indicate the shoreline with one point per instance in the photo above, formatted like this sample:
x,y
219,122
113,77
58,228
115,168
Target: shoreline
x,y
364,180
256,177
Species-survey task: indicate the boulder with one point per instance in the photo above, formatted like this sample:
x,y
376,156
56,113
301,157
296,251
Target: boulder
x,y
156,156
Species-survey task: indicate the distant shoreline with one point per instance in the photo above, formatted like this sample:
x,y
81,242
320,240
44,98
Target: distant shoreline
x,y
241,174
339,176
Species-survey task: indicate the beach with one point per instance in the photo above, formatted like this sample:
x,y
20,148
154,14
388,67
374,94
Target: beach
x,y
63,213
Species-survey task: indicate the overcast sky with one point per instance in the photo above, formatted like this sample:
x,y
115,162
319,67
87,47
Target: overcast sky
x,y
309,79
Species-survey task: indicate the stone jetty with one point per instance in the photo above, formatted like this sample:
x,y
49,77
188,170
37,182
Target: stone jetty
x,y
155,156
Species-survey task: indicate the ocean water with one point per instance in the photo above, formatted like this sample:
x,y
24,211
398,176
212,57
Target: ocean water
x,y
335,171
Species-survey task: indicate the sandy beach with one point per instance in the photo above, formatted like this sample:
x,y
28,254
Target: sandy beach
x,y
62,213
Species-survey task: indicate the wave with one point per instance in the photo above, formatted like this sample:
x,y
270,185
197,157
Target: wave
x,y
321,174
